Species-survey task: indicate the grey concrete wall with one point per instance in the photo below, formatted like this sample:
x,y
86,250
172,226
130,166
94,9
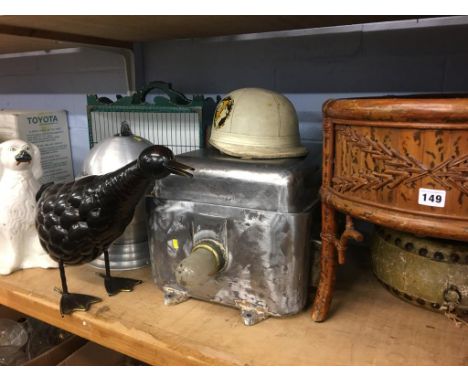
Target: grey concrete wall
x,y
311,69
61,81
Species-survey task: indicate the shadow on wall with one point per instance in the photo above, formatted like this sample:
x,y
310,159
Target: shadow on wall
x,y
407,60
60,80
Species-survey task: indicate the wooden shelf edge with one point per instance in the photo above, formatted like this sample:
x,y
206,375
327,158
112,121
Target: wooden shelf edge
x,y
48,35
367,325
82,325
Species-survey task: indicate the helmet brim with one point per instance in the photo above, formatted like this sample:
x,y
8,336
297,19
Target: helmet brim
x,y
260,152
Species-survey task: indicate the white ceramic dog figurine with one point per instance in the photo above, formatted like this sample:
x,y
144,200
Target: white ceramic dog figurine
x,y
20,169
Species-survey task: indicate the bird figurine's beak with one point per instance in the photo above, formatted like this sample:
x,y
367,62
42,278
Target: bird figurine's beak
x,y
179,168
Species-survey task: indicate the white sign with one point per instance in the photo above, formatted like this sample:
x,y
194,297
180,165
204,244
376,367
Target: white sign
x,y
48,130
433,198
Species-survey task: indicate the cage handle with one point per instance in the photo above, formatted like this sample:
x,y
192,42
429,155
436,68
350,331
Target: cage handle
x,y
166,87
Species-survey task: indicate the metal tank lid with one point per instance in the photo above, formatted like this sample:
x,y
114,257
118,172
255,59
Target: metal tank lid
x,y
284,185
114,152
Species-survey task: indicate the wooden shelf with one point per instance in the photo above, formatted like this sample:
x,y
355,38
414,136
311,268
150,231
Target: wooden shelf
x,y
33,33
367,325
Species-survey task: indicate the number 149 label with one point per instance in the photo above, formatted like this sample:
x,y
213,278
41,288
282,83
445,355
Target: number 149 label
x,y
433,198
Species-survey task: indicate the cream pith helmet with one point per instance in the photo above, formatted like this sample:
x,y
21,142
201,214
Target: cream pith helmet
x,y
256,123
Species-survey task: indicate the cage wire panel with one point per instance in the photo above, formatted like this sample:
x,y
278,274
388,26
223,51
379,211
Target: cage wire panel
x,y
180,131
172,120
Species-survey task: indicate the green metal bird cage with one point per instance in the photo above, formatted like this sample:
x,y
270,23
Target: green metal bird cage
x,y
171,119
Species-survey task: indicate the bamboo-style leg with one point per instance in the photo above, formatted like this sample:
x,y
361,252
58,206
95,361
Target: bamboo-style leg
x,y
328,259
328,263
115,285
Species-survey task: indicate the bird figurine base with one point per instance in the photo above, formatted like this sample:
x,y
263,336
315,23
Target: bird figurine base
x,y
71,302
115,285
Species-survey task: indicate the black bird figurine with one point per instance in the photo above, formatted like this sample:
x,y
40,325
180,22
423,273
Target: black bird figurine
x,y
78,221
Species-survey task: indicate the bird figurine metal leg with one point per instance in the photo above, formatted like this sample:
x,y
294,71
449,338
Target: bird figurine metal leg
x,y
69,302
115,285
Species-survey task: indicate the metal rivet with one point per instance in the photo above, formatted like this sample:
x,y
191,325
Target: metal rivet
x,y
455,257
420,301
397,241
423,252
452,294
435,305
409,246
439,256
408,297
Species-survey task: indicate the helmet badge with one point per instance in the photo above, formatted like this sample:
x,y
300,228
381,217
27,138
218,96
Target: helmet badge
x,y
222,112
